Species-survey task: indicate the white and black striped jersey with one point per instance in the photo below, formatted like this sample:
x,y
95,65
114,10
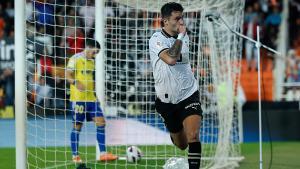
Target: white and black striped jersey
x,y
173,83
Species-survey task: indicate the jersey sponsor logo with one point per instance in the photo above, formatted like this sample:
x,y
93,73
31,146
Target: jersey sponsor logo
x,y
192,105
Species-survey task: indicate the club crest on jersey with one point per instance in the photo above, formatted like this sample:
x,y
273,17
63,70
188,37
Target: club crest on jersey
x,y
158,44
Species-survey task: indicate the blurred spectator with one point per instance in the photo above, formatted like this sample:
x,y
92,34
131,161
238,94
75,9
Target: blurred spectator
x,y
2,26
30,30
87,11
293,59
250,49
294,21
292,76
249,14
73,38
29,10
45,39
291,68
109,11
274,18
43,93
264,6
251,21
2,22
44,15
191,21
156,24
7,81
7,84
258,13
10,11
122,9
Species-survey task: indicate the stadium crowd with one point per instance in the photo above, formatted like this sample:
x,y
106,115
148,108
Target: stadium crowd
x,y
266,14
292,91
57,29
6,71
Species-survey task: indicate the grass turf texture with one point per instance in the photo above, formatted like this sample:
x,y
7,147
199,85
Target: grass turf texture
x,y
285,156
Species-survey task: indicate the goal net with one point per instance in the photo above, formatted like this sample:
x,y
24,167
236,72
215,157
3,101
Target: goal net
x,y
56,30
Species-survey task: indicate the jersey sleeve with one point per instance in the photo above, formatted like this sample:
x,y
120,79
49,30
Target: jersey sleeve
x,y
71,63
157,44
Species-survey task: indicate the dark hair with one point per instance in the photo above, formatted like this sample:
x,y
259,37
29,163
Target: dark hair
x,y
167,9
92,43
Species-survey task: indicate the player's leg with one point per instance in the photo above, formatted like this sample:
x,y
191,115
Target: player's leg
x,y
172,122
100,133
97,115
192,116
192,126
179,139
78,117
75,142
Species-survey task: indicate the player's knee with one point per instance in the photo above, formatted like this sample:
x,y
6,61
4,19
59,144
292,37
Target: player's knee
x,y
76,130
77,127
100,123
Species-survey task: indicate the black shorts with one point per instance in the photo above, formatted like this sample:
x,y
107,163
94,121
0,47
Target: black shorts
x,y
174,114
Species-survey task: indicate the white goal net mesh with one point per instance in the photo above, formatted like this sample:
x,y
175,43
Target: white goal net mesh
x,y
56,30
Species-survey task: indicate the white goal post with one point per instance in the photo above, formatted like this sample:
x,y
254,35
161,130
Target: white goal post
x,y
20,85
124,82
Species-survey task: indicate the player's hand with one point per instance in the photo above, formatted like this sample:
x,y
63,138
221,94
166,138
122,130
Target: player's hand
x,y
182,29
80,86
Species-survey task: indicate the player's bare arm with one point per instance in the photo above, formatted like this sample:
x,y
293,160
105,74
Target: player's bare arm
x,y
174,51
170,56
70,76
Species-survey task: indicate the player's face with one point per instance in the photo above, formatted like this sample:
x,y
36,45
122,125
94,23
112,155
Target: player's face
x,y
92,52
173,22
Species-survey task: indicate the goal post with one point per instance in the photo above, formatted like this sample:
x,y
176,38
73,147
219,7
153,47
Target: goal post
x,y
124,81
100,68
20,85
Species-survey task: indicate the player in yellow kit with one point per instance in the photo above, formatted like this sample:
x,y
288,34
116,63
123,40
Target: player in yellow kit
x,y
84,105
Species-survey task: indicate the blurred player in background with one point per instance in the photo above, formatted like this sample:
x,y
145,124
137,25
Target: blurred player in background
x,y
84,105
176,87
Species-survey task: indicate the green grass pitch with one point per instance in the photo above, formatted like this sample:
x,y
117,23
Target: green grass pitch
x,y
285,156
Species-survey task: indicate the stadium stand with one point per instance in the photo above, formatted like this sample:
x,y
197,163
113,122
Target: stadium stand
x,y
264,13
